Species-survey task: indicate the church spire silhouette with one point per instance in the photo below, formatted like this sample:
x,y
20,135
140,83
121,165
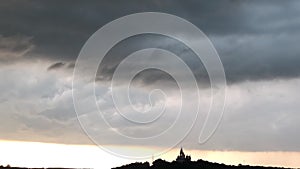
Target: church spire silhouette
x,y
182,158
181,152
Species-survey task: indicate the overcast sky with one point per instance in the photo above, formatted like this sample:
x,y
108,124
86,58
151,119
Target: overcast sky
x,y
257,41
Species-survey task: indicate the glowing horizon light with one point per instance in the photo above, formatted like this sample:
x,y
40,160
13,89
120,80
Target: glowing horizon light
x,y
37,154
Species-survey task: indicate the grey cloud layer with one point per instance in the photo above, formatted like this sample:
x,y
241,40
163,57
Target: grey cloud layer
x,y
256,39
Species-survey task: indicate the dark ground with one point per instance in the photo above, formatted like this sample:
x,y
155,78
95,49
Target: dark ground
x,y
200,164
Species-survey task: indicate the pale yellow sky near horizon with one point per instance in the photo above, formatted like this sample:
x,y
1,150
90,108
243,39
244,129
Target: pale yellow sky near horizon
x,y
36,154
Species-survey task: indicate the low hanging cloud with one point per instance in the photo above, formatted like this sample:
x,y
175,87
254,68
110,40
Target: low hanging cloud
x,y
56,66
259,116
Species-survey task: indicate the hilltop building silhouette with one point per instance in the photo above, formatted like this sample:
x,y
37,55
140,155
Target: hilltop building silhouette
x,y
184,162
182,157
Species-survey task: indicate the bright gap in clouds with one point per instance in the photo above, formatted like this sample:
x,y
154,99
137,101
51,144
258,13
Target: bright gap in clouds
x,y
35,154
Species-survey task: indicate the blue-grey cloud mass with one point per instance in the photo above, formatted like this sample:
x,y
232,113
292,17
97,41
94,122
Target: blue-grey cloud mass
x,y
257,41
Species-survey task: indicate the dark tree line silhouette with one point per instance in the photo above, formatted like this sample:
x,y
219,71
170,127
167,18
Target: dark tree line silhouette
x,y
184,162
199,164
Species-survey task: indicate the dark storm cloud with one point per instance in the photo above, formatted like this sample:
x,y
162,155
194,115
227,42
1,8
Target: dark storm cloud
x,y
14,47
56,66
256,40
149,76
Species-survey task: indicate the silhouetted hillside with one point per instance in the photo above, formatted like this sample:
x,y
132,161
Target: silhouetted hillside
x,y
184,162
200,164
